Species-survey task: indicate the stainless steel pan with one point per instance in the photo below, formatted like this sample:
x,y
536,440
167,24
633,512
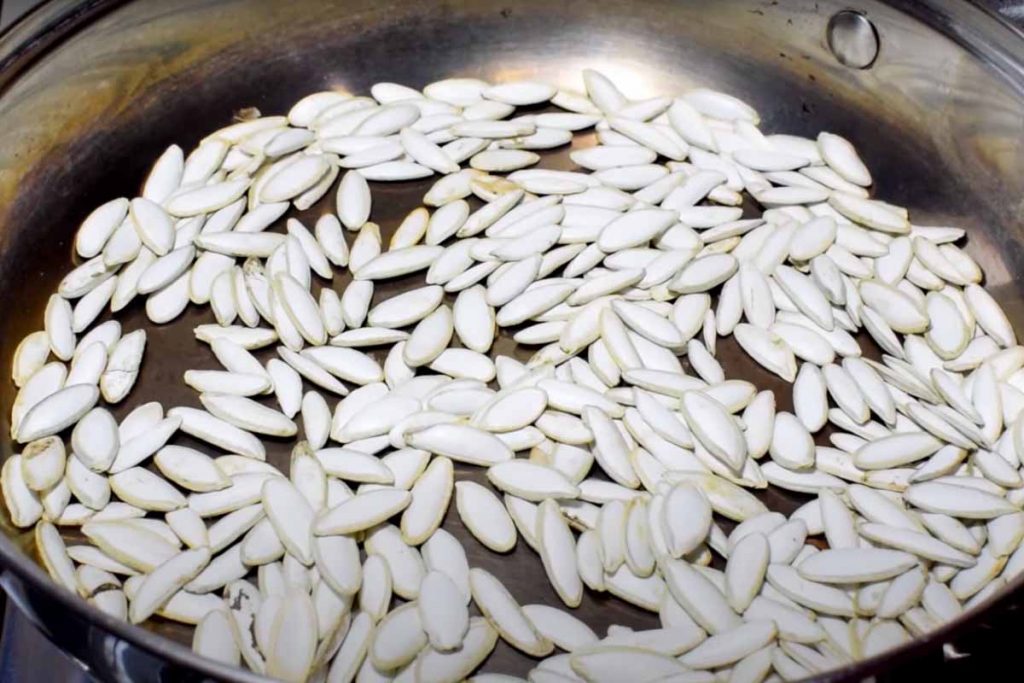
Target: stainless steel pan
x,y
92,91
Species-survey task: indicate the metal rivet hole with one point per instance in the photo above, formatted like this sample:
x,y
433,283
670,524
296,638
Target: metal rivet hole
x,y
853,39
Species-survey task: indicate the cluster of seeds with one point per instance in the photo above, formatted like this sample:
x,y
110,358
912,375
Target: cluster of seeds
x,y
603,454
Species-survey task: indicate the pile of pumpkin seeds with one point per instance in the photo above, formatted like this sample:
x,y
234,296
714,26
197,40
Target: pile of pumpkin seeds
x,y
612,462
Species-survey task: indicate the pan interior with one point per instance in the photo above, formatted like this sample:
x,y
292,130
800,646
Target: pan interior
x,y
940,132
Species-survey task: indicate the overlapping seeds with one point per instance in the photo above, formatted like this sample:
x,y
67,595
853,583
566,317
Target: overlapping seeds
x,y
623,453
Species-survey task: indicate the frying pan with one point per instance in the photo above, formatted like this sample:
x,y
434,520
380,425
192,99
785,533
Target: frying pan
x,y
92,91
